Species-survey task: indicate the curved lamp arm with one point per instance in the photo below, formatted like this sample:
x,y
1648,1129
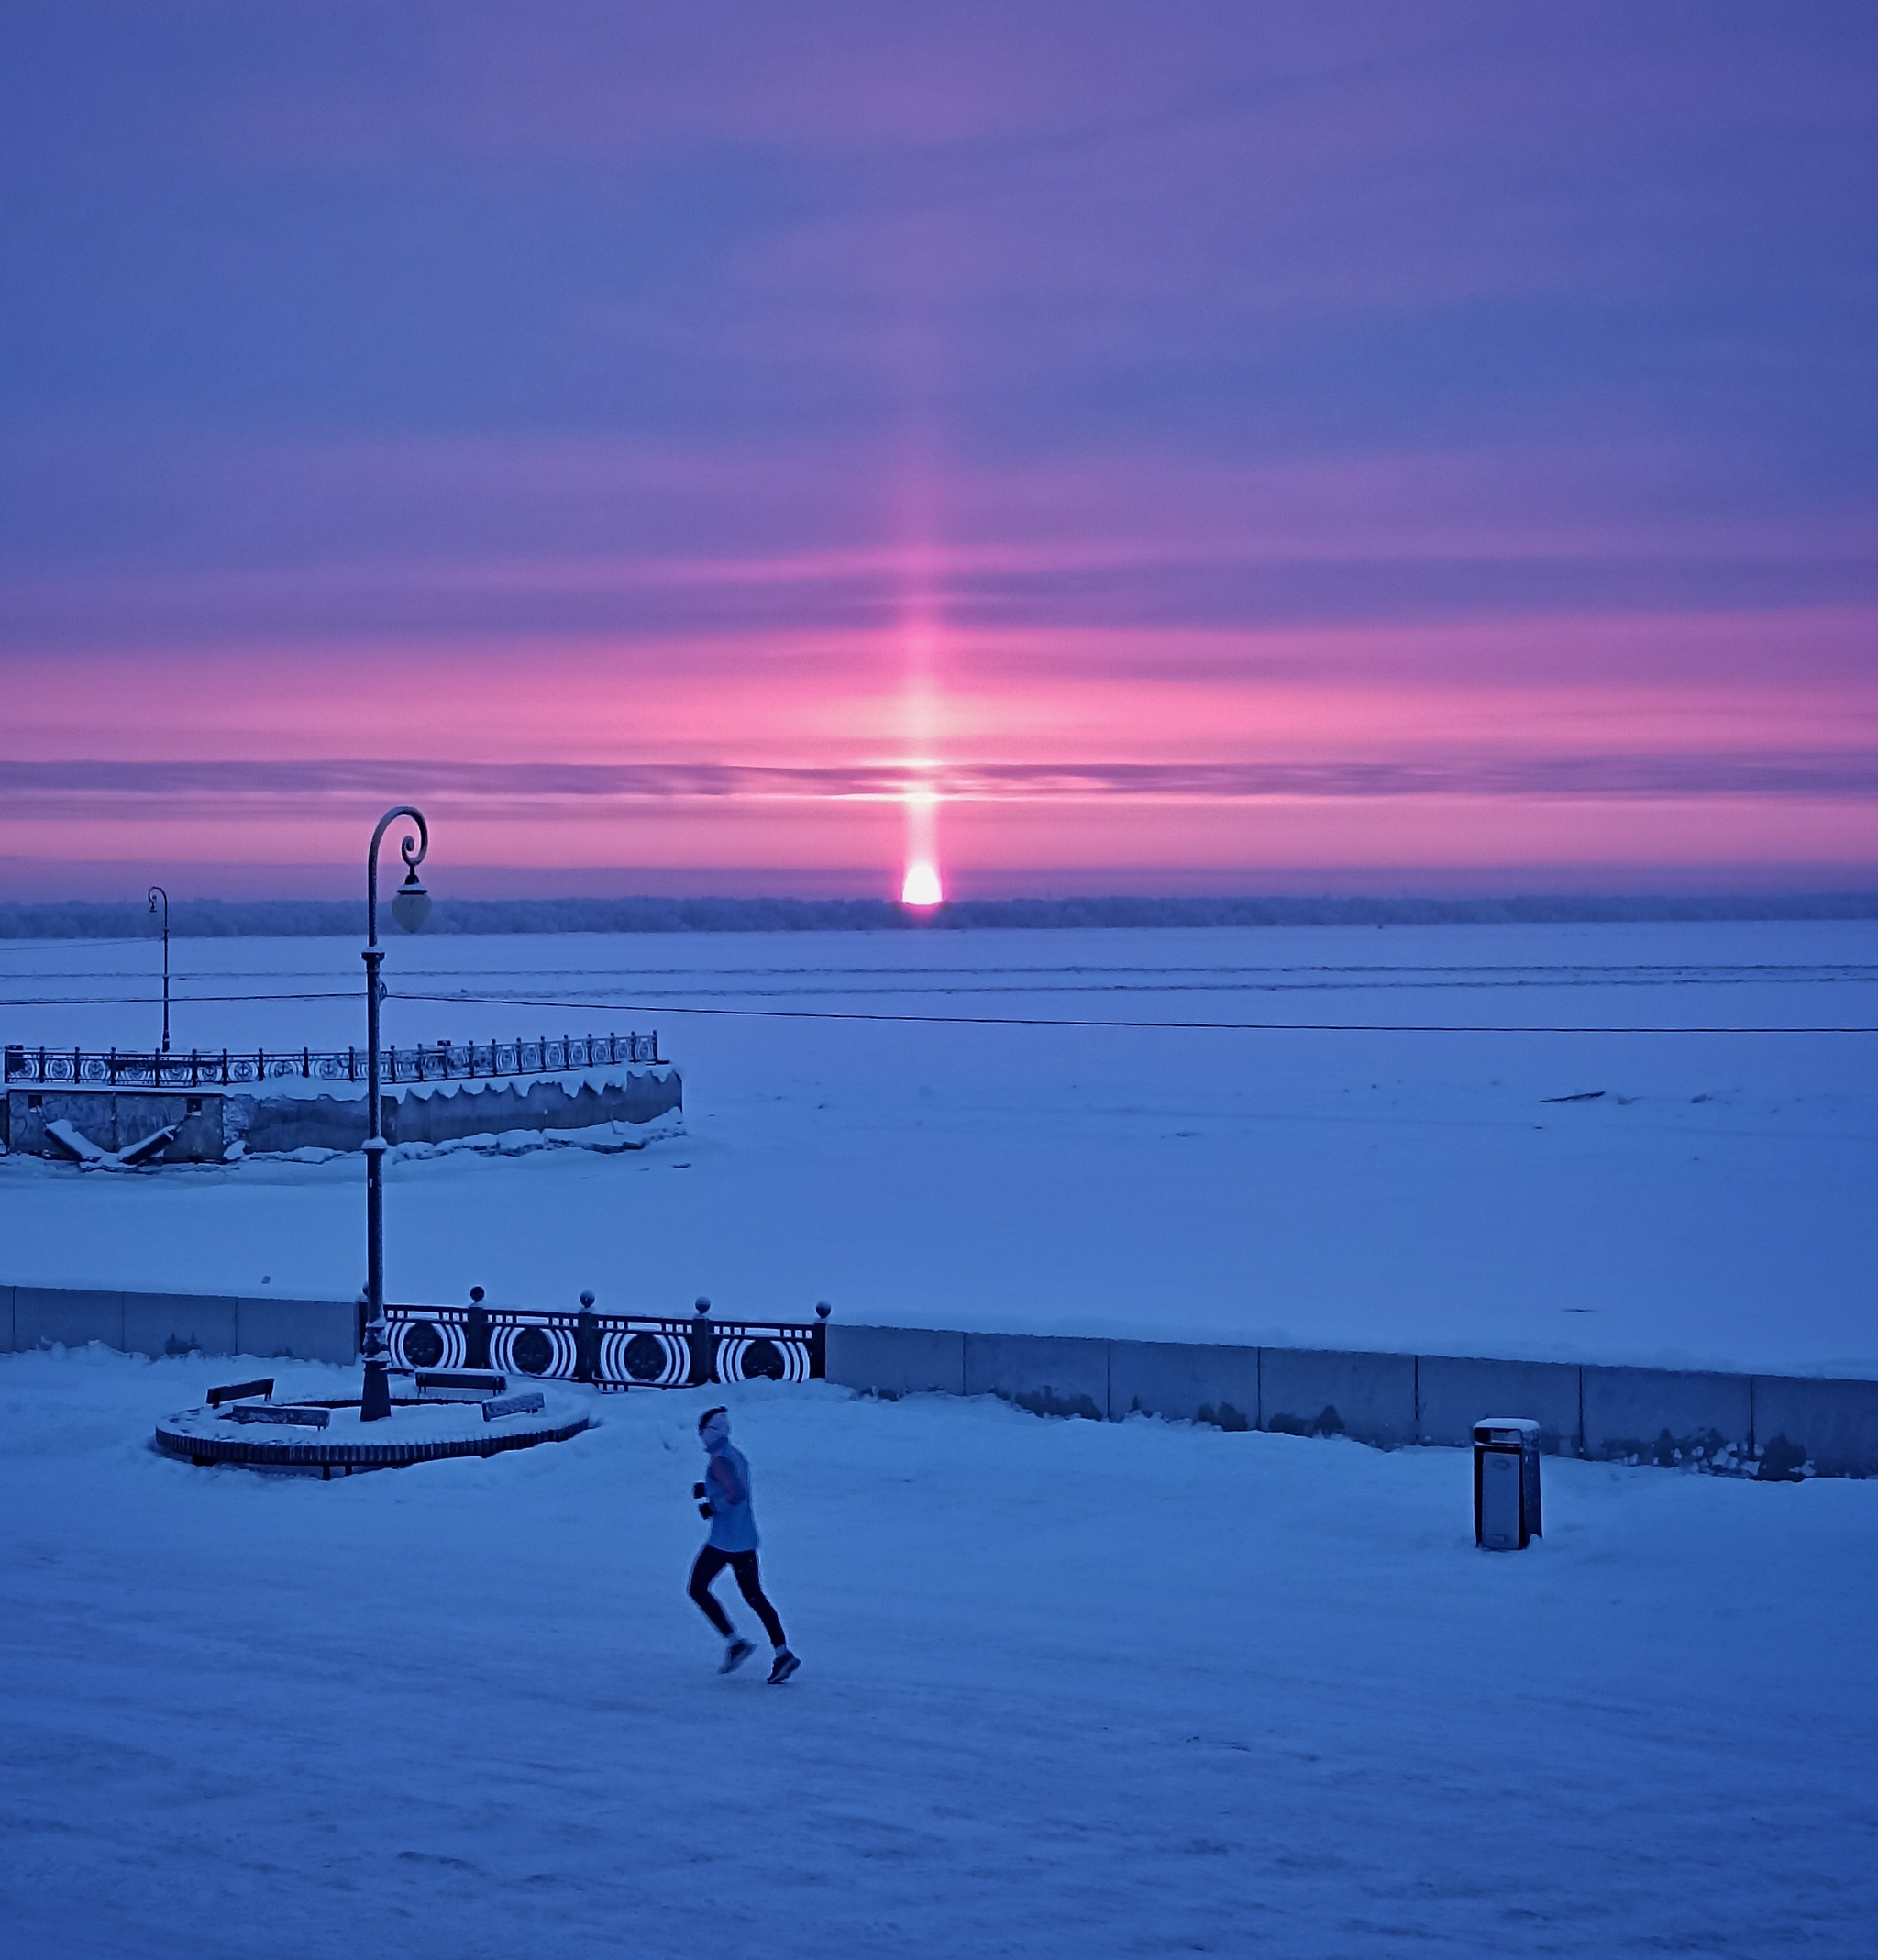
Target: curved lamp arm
x,y
413,850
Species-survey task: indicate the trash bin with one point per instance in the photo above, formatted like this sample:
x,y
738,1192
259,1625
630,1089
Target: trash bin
x,y
1506,1483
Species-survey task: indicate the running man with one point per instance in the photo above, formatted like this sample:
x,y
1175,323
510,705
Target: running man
x,y
725,1498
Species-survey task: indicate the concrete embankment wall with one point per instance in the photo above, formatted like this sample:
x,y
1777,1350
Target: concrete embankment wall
x,y
284,1115
436,1112
179,1323
1654,1415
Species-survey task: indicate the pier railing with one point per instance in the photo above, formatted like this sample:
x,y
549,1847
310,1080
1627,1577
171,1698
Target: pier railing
x,y
437,1061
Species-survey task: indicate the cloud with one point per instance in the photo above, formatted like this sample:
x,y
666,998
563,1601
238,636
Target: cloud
x,y
179,788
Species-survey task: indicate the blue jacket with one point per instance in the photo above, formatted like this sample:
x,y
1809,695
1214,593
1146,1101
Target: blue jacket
x,y
727,1487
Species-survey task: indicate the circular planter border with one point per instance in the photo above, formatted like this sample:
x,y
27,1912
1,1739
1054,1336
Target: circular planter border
x,y
278,1453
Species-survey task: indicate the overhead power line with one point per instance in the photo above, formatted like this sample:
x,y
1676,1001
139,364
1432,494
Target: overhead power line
x,y
178,999
1248,1027
859,1014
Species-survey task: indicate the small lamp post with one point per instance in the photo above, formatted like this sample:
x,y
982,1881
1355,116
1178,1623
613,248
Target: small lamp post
x,y
411,907
153,894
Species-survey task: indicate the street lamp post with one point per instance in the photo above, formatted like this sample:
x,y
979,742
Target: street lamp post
x,y
153,894
411,907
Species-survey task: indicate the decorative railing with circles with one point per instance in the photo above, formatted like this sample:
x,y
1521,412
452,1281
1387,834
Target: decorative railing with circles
x,y
439,1061
611,1350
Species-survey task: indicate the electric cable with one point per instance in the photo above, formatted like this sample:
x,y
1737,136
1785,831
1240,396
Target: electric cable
x,y
1252,1027
858,1015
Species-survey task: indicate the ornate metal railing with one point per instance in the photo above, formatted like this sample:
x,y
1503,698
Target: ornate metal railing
x,y
439,1061
611,1350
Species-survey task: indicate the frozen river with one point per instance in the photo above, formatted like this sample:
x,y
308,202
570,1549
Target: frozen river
x,y
1709,1202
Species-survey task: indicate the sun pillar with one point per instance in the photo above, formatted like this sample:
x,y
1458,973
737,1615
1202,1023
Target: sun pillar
x,y
921,886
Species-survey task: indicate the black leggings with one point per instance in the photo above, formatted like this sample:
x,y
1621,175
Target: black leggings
x,y
743,1566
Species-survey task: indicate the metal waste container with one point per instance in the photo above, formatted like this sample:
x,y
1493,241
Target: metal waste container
x,y
1506,1483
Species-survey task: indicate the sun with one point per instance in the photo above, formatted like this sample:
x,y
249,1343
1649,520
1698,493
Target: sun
x,y
920,886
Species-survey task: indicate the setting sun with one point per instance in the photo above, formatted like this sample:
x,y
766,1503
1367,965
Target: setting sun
x,y
920,886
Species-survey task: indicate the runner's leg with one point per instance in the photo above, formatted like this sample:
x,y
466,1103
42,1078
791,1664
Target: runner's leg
x,y
743,1564
710,1561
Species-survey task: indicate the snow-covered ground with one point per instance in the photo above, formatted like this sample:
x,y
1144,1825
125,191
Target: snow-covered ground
x,y
1713,1206
1069,1688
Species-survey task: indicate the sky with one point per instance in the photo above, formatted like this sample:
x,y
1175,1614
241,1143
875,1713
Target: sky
x,y
1085,446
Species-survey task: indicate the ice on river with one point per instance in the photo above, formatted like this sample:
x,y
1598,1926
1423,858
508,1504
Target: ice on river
x,y
1708,1202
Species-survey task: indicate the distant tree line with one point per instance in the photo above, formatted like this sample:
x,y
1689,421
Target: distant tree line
x,y
303,918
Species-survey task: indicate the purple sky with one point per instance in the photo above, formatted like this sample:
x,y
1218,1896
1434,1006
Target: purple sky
x,y
1199,447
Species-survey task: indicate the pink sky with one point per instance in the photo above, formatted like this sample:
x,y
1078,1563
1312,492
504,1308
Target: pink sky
x,y
1245,451
1546,744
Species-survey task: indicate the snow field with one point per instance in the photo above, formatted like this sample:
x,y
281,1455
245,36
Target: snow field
x,y
1068,1689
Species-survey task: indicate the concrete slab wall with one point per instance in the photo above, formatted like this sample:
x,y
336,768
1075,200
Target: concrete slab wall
x,y
277,1125
297,1330
1833,1426
1309,1392
1189,1384
529,1105
175,1324
160,1323
896,1361
115,1119
1661,1415
1452,1394
45,1316
1043,1373
1664,1415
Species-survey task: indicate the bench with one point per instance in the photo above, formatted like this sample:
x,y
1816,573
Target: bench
x,y
529,1403
235,1391
300,1418
466,1385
